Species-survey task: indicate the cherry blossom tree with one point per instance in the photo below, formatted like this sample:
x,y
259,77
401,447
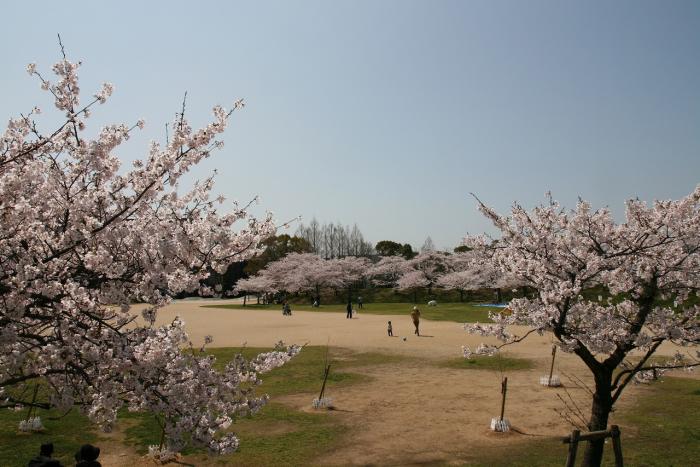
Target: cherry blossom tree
x,y
387,271
413,280
423,271
349,271
648,267
461,281
302,272
82,238
474,270
307,272
258,284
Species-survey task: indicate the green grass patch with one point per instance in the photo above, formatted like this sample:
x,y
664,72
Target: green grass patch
x,y
458,312
67,433
304,373
277,435
496,363
668,426
662,429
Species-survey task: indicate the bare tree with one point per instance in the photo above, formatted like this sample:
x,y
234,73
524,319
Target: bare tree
x,y
335,240
428,245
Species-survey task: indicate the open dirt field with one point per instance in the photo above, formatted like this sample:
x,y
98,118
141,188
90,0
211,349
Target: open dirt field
x,y
415,411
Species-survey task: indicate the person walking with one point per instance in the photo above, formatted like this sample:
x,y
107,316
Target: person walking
x,y
390,330
415,316
348,315
359,303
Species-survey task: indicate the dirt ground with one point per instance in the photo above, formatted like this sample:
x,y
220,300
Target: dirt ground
x,y
414,411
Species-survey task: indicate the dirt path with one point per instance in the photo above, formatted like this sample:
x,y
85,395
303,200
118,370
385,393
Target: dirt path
x,y
441,339
414,411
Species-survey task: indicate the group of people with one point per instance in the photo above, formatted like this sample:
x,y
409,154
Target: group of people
x,y
85,457
415,314
350,310
286,309
415,317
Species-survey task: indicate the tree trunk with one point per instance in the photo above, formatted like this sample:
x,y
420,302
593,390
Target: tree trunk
x,y
461,295
600,411
244,299
499,296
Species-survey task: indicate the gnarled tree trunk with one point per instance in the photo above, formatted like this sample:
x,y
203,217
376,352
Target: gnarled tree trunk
x,y
600,411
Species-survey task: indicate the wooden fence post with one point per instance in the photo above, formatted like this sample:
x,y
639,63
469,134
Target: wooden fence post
x,y
573,447
617,446
576,437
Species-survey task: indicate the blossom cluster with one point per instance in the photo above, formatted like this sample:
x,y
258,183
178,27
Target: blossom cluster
x,y
481,349
83,238
305,272
162,455
644,272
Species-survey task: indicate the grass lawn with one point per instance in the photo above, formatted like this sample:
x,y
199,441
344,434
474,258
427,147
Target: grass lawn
x,y
662,429
277,435
498,362
67,434
459,312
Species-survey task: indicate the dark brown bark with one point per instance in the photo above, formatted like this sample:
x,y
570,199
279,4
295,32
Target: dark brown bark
x,y
600,412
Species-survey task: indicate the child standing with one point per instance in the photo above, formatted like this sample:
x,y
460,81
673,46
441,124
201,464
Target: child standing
x,y
389,330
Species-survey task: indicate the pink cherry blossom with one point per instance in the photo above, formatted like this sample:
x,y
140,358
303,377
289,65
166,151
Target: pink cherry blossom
x,y
647,265
83,238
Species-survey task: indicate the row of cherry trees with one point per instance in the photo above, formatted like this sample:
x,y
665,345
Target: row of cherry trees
x,y
82,238
309,273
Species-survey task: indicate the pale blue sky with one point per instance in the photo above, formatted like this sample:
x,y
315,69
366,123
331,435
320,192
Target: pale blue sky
x,y
388,113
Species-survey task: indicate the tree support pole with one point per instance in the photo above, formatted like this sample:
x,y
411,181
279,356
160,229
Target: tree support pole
x,y
551,367
504,389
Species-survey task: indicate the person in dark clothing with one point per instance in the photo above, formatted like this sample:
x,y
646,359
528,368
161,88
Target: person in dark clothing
x,y
390,330
359,302
44,458
87,456
349,310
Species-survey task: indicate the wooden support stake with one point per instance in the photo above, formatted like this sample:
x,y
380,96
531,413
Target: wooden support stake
x,y
32,407
573,447
576,437
504,389
551,368
617,446
325,378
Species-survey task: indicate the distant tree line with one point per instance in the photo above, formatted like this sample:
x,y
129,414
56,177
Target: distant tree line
x,y
335,240
328,241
